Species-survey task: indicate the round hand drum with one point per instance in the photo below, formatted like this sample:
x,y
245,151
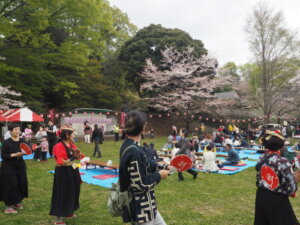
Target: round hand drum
x,y
269,177
181,163
25,149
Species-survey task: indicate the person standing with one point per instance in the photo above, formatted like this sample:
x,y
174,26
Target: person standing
x,y
116,132
272,205
139,176
44,149
13,178
185,149
28,133
39,135
97,137
87,132
66,184
51,134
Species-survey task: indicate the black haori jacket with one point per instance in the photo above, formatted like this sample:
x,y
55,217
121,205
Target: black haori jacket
x,y
139,176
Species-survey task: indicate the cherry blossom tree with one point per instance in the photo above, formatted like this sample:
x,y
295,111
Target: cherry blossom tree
x,y
5,98
182,83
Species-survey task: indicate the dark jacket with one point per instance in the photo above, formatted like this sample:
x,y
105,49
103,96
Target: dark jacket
x,y
139,176
184,147
97,135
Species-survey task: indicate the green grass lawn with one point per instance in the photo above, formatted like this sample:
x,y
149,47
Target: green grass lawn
x,y
211,199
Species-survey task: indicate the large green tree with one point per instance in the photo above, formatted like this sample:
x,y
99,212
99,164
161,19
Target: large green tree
x,y
46,48
148,43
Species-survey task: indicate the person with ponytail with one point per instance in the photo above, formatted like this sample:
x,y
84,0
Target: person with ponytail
x,y
66,185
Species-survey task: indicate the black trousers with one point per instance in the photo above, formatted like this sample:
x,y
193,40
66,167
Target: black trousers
x,y
180,176
44,156
52,141
116,136
97,149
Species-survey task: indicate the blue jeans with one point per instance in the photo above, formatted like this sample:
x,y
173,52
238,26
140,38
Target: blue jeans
x,y
229,163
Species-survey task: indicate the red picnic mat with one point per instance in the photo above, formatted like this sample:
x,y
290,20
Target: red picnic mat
x,y
81,173
105,176
229,168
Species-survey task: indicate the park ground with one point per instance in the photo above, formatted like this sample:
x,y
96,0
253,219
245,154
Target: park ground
x,y
210,199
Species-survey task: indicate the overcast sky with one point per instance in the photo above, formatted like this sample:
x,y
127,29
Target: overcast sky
x,y
219,24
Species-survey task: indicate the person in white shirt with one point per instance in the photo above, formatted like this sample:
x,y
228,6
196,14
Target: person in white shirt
x,y
209,159
228,141
7,135
175,150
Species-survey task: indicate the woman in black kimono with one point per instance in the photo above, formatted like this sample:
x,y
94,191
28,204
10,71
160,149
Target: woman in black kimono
x,y
275,183
13,179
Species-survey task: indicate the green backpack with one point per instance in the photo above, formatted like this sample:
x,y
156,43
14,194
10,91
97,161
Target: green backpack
x,y
117,199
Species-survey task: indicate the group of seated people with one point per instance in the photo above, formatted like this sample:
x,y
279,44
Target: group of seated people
x,y
208,161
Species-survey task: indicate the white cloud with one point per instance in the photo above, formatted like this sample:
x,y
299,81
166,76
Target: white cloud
x,y
219,24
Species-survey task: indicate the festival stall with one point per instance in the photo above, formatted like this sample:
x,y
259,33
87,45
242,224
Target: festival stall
x,y
20,115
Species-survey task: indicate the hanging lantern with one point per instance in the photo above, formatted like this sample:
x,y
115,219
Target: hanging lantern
x,y
177,114
254,119
238,121
192,116
42,115
150,116
249,120
214,120
84,113
200,117
70,113
185,113
56,115
244,121
76,112
108,113
168,114
159,115
100,113
93,113
221,121
207,119
116,113
49,116
63,114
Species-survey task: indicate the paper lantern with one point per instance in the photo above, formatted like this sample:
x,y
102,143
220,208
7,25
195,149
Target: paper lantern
x,y
76,112
41,115
159,115
116,113
63,114
207,119
168,114
192,116
150,116
214,120
70,113
56,115
93,113
49,116
84,113
108,113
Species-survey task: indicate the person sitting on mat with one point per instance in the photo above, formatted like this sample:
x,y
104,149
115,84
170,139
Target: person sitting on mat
x,y
233,157
209,159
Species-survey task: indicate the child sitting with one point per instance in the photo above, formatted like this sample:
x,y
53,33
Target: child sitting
x,y
44,148
209,159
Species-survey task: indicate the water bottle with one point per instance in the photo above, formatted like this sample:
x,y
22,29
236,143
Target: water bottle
x,y
109,163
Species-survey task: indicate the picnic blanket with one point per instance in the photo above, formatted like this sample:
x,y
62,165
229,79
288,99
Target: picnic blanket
x,y
250,154
236,169
100,177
